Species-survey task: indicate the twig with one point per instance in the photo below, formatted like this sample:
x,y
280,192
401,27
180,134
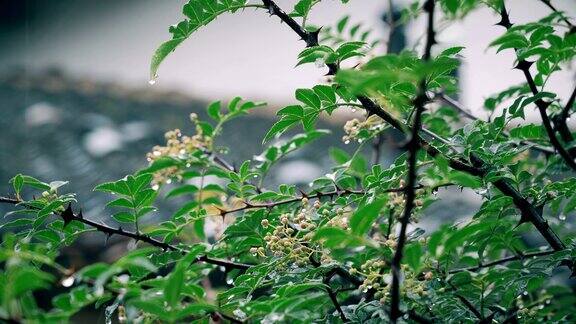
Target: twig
x,y
413,147
553,8
480,169
503,260
332,294
561,122
68,216
467,303
542,106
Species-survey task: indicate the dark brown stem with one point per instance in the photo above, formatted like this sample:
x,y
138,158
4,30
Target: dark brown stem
x,y
542,106
69,216
467,303
332,294
413,147
561,122
549,4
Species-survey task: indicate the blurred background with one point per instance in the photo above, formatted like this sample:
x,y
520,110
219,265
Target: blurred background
x,y
76,104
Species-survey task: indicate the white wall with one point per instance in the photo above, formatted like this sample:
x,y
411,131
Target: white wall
x,y
248,54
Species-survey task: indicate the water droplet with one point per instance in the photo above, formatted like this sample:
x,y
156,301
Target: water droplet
x,y
68,282
152,81
155,187
230,281
562,217
169,181
346,142
255,176
525,293
131,246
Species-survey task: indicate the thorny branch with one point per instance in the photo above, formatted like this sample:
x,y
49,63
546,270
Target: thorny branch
x,y
413,146
549,4
479,167
68,216
542,105
561,122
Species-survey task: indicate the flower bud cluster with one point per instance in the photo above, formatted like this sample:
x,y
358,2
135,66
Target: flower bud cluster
x,y
292,238
340,220
374,278
397,202
354,127
415,285
178,146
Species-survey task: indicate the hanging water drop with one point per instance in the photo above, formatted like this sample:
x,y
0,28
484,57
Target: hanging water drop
x,y
152,81
68,282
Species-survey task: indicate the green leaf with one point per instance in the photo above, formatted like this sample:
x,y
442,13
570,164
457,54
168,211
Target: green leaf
x,y
124,217
174,286
214,110
280,127
18,183
413,255
309,98
365,216
121,202
182,190
465,179
325,93
199,13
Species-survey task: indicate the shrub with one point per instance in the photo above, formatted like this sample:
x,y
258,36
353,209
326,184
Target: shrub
x,y
348,246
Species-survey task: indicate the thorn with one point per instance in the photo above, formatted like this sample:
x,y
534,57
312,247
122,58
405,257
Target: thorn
x,y
304,195
80,215
429,6
120,230
523,219
312,38
332,69
523,65
505,21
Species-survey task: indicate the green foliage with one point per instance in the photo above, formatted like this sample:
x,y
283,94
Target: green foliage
x,y
326,252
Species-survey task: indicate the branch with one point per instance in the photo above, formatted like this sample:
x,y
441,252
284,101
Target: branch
x,y
480,169
413,147
553,8
332,294
69,216
524,66
503,260
311,38
561,122
467,303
